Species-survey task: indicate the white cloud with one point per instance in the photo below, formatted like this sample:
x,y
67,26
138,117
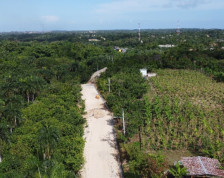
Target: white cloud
x,y
190,3
50,18
123,6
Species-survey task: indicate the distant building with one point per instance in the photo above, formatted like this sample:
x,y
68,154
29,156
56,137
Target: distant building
x,y
202,166
103,38
95,40
167,46
121,50
92,31
219,40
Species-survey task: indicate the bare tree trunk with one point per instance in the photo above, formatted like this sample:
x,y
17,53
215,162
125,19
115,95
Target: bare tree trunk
x,y
0,158
28,97
48,152
39,171
140,137
15,121
11,130
33,97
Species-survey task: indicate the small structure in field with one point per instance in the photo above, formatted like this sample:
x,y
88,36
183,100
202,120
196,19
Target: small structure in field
x,y
143,72
146,74
151,75
202,166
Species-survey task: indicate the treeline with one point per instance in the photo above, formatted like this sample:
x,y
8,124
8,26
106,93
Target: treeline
x,y
185,56
41,122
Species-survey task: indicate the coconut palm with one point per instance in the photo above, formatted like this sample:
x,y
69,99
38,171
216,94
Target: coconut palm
x,y
48,137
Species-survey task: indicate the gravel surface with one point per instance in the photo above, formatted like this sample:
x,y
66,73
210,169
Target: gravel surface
x,y
100,152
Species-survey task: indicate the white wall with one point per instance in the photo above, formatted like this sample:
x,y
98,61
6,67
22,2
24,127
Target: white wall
x,y
143,72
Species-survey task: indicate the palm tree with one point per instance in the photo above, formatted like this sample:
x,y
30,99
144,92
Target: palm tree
x,y
48,137
2,106
12,110
1,149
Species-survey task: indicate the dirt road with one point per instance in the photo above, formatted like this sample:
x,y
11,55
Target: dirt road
x,y
100,152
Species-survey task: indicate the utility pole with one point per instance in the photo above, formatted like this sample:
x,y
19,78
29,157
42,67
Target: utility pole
x,y
178,27
123,121
139,32
109,84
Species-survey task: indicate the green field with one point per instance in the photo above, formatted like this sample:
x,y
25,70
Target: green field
x,y
185,111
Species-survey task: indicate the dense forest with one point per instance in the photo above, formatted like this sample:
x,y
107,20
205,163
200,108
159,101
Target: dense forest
x,y
41,123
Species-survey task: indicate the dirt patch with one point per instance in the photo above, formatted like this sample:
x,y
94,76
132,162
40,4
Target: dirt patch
x,y
96,113
176,155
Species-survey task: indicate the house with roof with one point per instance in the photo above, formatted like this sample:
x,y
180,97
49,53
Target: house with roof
x,y
167,46
202,167
121,50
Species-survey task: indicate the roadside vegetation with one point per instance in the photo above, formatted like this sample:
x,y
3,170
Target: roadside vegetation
x,y
177,110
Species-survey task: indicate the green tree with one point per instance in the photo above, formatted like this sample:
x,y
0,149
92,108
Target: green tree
x,y
48,138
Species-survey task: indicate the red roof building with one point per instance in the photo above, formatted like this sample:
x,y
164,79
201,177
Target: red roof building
x,y
202,166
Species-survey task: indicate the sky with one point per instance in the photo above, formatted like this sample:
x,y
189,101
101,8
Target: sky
x,y
47,15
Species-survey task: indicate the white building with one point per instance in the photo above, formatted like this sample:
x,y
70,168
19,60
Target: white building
x,y
143,72
94,40
167,46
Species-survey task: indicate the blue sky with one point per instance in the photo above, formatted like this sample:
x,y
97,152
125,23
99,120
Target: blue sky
x,y
45,15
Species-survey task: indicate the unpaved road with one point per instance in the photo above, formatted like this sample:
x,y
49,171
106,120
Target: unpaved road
x,y
96,74
100,152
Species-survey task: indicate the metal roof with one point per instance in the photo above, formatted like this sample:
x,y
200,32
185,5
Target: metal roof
x,y
202,166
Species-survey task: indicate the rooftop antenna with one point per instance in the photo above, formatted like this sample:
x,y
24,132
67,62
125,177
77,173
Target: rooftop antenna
x,y
178,27
139,32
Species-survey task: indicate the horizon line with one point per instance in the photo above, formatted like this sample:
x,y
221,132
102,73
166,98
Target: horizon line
x,y
122,29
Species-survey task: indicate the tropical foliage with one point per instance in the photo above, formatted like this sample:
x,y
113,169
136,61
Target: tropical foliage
x,y
41,126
